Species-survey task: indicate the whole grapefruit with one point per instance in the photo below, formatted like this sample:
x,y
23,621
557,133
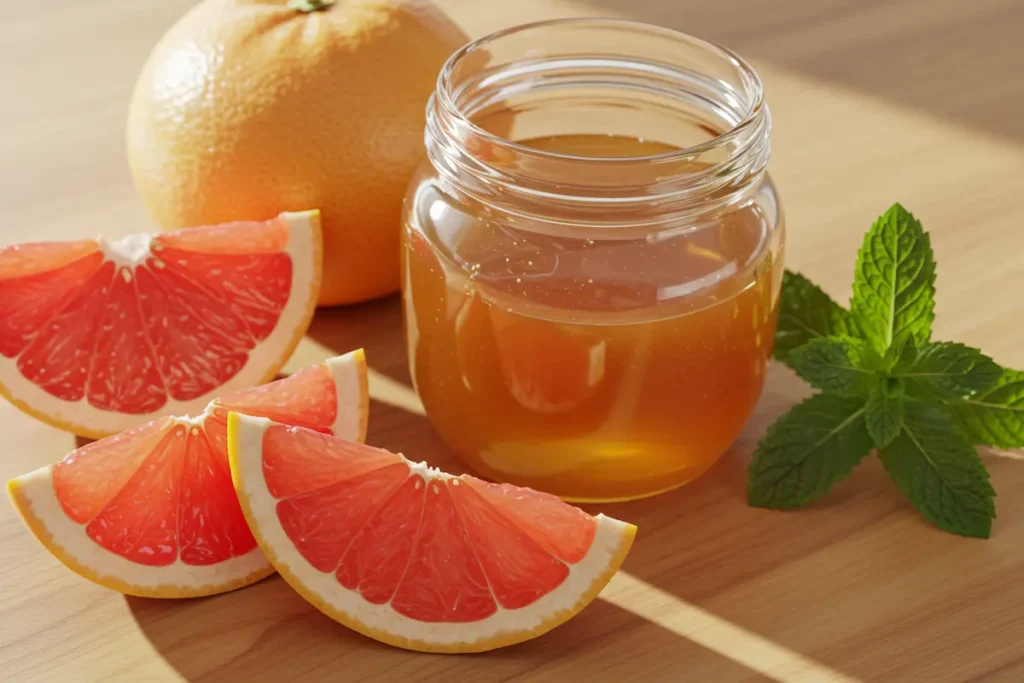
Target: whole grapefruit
x,y
247,108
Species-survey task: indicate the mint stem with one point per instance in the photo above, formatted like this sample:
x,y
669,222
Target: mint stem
x,y
309,6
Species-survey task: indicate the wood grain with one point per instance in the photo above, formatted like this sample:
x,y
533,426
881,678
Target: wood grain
x,y
916,101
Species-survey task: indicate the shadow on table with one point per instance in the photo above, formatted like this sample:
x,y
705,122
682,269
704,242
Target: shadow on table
x,y
375,326
267,633
928,58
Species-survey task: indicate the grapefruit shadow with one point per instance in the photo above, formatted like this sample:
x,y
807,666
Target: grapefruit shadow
x,y
268,633
375,326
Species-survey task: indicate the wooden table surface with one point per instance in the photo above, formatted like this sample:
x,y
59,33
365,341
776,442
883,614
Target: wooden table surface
x,y
875,101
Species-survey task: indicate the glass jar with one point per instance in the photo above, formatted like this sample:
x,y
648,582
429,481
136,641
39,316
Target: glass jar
x,y
592,256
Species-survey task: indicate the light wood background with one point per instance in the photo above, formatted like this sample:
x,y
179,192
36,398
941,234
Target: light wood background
x,y
874,101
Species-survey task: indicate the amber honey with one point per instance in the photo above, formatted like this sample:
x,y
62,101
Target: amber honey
x,y
595,365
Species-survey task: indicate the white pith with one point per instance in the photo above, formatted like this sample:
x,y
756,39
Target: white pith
x,y
324,587
349,372
349,375
130,250
83,418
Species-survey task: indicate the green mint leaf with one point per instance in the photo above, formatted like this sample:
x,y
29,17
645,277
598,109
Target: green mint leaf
x,y
884,411
900,354
806,313
949,371
807,451
937,469
995,416
840,364
894,282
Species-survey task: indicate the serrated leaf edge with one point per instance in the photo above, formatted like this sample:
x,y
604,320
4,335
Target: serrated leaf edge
x,y
775,427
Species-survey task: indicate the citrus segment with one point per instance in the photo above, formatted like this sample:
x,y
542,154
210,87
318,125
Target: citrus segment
x,y
324,522
518,569
87,478
562,530
252,287
140,522
152,511
410,555
28,301
373,567
97,336
43,257
58,358
443,582
270,237
306,398
298,461
211,527
123,376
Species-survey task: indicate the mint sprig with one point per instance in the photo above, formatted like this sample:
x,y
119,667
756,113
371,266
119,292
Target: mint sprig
x,y
884,385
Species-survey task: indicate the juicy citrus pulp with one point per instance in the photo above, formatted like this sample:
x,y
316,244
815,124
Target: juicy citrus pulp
x,y
152,511
410,555
97,336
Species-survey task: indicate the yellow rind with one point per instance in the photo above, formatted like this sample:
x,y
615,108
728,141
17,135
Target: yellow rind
x,y
43,535
364,394
481,645
271,372
78,430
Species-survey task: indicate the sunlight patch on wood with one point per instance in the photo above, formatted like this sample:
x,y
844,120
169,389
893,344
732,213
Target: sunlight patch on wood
x,y
394,393
382,387
1017,454
753,651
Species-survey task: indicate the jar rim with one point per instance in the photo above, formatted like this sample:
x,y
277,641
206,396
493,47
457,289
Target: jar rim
x,y
748,120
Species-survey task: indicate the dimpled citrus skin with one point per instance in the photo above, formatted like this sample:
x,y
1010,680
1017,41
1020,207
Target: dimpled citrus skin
x,y
247,108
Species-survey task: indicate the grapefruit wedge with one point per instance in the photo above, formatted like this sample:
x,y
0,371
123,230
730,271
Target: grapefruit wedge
x,y
97,337
409,555
152,511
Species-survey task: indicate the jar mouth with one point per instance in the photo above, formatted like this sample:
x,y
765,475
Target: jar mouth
x,y
751,84
701,105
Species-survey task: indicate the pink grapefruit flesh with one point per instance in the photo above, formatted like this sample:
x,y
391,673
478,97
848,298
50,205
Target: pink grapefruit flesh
x,y
152,511
98,336
410,555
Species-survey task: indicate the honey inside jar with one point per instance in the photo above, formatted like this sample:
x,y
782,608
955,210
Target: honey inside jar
x,y
593,365
592,255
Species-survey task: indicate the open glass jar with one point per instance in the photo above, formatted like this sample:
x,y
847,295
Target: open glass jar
x,y
592,256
